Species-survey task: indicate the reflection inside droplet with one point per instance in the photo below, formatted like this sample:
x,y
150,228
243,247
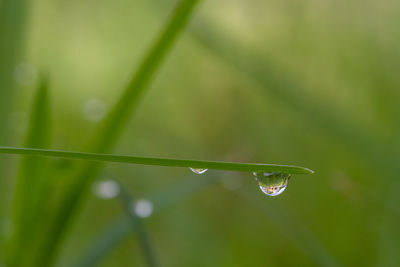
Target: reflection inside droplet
x,y
272,183
198,170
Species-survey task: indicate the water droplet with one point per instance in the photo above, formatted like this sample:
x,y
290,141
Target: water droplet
x,y
198,170
106,189
142,208
272,183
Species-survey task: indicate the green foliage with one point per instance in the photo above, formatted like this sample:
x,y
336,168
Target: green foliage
x,y
227,166
33,179
276,81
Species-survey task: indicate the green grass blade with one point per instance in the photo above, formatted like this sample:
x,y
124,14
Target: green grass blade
x,y
12,30
32,174
119,229
119,115
12,25
111,128
137,224
215,165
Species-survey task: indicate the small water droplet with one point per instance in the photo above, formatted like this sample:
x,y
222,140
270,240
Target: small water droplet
x,y
198,170
272,183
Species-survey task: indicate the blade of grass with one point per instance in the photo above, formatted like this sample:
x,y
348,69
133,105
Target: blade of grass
x,y
119,229
227,166
136,224
12,28
31,176
111,128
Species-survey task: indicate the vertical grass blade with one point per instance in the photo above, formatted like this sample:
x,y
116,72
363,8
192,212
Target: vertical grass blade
x,y
12,25
111,128
32,175
137,225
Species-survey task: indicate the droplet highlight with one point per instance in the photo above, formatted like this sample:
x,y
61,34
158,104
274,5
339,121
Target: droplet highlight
x,y
198,170
272,183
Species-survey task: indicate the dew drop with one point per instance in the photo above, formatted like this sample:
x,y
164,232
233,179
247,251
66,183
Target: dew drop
x,y
272,183
198,170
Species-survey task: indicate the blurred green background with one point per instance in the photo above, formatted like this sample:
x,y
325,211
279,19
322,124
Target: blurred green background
x,y
309,83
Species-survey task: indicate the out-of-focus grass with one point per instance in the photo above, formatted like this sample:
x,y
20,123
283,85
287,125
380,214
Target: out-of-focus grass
x,y
12,32
33,181
109,131
306,82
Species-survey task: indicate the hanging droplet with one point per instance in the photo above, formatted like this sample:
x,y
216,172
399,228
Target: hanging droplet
x,y
272,183
198,170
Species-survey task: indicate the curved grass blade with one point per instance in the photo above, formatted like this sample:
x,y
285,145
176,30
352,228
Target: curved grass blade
x,y
119,229
136,224
227,166
110,130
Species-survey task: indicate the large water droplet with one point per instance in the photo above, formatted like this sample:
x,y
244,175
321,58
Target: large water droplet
x,y
198,170
272,183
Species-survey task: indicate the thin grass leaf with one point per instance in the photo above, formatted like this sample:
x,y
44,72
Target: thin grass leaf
x,y
110,130
12,29
136,224
201,164
32,175
119,229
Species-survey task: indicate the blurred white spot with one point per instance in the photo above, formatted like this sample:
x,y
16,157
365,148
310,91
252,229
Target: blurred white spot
x,y
25,74
142,208
94,110
17,122
106,189
233,182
